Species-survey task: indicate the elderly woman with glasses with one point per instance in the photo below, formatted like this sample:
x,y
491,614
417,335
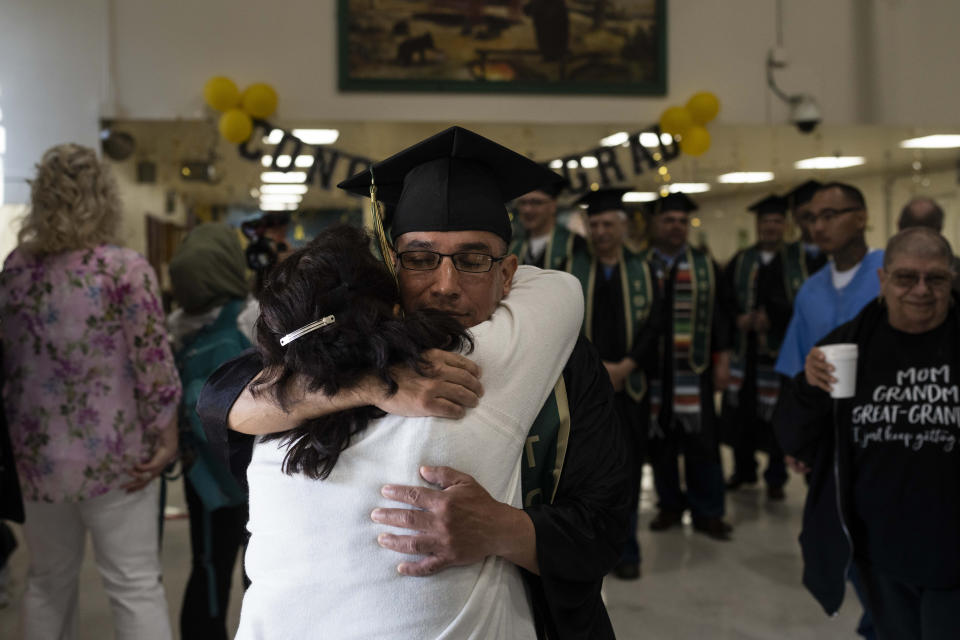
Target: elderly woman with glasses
x,y
885,463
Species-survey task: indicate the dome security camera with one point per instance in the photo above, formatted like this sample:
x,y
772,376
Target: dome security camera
x,y
805,113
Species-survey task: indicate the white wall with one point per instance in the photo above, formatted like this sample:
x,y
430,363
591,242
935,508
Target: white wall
x,y
53,64
859,57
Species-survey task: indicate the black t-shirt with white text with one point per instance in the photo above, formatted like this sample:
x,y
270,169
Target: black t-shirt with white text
x,y
905,437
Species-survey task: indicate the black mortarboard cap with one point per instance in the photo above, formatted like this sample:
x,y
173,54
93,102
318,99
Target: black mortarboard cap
x,y
455,180
606,199
803,193
771,204
673,202
553,187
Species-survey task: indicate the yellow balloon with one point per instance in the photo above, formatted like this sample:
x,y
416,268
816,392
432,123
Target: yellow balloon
x,y
221,93
703,107
675,121
696,141
236,126
259,100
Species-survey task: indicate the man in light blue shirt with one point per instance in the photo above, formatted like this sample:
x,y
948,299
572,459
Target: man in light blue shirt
x,y
836,293
833,295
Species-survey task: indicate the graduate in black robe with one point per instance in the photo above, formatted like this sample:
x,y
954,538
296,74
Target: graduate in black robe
x,y
694,329
760,276
619,296
577,488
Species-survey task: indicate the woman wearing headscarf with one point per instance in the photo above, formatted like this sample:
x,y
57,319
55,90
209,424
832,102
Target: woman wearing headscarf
x,y
91,395
208,274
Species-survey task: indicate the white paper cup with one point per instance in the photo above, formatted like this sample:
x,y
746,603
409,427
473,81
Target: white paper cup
x,y
844,359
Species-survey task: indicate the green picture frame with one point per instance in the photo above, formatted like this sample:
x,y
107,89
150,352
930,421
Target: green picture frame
x,y
576,47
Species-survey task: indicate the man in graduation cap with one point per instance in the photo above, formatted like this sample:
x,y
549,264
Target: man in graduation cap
x,y
448,194
694,328
799,201
543,243
760,277
619,296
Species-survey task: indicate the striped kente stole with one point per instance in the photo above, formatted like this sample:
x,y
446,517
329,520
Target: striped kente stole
x,y
768,382
686,383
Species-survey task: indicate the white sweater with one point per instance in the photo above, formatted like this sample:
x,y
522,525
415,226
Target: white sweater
x,y
316,568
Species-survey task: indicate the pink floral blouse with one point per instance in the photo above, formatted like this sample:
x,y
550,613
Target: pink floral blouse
x,y
90,380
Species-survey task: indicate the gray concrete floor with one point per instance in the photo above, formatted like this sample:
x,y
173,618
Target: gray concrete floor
x,y
692,586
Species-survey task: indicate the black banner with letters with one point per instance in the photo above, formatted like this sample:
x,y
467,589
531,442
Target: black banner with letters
x,y
610,170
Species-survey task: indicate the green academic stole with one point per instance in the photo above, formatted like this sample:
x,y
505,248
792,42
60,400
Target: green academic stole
x,y
794,268
745,278
637,299
546,448
702,287
558,250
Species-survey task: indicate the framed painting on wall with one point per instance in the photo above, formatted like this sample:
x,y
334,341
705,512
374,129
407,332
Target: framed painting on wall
x,y
503,46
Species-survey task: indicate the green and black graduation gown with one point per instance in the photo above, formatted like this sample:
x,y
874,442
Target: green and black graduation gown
x,y
771,287
616,309
556,255
710,332
575,480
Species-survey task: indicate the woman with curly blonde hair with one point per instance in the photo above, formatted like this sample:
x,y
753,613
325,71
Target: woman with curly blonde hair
x,y
90,398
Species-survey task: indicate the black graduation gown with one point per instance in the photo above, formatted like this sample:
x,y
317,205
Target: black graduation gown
x,y
579,535
661,324
772,297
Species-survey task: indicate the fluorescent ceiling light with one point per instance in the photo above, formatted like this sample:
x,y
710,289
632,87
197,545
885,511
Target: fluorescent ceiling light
x,y
639,196
280,176
284,161
666,138
829,162
649,139
589,162
317,136
277,206
615,139
572,164
280,197
689,187
938,141
298,189
745,177
274,138
556,164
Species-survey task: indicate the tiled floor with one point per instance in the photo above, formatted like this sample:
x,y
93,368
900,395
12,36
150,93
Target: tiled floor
x,y
692,587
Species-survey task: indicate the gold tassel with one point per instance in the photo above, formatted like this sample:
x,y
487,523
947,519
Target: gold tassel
x,y
376,210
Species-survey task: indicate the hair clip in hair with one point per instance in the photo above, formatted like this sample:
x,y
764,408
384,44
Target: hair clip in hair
x,y
305,329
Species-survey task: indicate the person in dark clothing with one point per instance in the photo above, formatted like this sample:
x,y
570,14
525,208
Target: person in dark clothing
x,y
619,297
761,277
543,243
885,474
800,201
576,476
694,330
